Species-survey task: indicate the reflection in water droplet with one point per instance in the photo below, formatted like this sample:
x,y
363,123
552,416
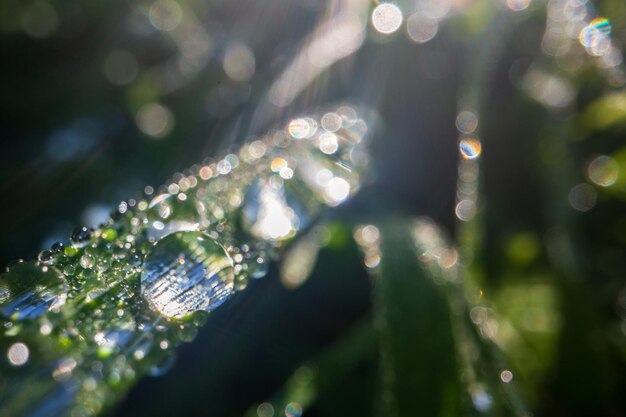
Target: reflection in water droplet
x,y
28,291
603,171
185,272
470,148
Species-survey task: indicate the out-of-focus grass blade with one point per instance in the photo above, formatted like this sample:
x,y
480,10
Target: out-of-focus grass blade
x,y
418,363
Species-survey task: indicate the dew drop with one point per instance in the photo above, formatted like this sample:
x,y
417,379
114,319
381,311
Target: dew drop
x,y
57,247
80,236
301,128
258,267
271,212
470,148
185,272
86,261
46,257
28,291
386,18
603,171
18,354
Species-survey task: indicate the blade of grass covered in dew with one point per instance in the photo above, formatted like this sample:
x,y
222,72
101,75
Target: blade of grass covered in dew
x,y
462,349
257,341
483,368
486,43
100,326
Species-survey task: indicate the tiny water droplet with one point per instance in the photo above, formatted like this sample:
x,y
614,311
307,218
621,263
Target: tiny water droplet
x,y
28,291
185,272
57,247
12,264
46,257
86,261
258,267
80,236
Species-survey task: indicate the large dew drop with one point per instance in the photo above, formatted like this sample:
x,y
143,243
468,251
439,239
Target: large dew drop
x,y
28,291
272,213
185,272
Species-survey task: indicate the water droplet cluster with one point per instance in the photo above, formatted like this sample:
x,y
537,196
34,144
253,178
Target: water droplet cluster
x,y
82,320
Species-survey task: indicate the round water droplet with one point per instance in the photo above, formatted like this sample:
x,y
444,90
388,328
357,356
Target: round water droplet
x,y
80,236
46,257
603,171
18,354
271,212
185,272
28,291
57,247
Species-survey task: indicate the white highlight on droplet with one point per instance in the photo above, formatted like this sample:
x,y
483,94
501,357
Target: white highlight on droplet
x,y
328,143
18,354
506,376
386,18
338,189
